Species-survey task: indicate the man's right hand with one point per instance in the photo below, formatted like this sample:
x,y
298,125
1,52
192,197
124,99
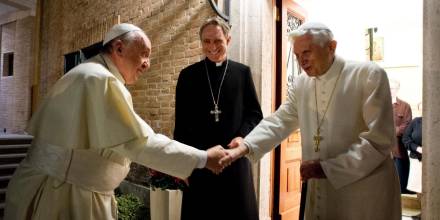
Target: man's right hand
x,y
237,149
214,155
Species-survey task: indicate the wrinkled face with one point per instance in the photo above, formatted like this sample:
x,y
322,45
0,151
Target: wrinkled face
x,y
314,59
214,43
135,58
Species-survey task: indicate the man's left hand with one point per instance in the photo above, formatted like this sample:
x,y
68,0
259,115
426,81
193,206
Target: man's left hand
x,y
311,169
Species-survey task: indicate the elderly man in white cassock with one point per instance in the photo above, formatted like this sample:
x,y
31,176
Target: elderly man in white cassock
x,y
86,133
343,110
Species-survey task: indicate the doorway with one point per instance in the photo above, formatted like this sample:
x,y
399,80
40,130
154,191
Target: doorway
x,y
287,159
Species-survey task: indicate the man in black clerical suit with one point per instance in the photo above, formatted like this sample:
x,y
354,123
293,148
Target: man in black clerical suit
x,y
216,102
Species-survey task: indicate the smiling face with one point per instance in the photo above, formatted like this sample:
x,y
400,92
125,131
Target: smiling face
x,y
215,43
133,57
313,58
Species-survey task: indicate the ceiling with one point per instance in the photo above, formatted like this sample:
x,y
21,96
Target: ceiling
x,y
9,7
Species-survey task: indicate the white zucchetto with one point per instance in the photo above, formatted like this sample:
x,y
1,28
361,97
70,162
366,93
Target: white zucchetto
x,y
118,30
309,26
313,26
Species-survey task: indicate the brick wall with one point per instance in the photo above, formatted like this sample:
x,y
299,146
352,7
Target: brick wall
x,y
172,26
15,90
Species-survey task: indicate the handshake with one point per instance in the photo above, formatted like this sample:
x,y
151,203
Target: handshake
x,y
219,157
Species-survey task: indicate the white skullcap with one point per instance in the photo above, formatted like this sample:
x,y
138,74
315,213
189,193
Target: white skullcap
x,y
309,26
118,30
313,26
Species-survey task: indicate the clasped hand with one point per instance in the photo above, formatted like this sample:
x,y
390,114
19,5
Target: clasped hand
x,y
219,158
311,169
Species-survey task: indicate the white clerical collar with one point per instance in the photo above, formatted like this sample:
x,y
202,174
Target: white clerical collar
x,y
217,64
334,69
112,67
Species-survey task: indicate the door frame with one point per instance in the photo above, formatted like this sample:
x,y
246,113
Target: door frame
x,y
281,8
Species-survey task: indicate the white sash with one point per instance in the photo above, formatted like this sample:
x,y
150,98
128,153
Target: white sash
x,y
84,168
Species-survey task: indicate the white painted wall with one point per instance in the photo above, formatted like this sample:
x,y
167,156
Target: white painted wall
x,y
399,22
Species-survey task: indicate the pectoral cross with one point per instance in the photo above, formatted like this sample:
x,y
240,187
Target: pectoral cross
x,y
216,113
317,139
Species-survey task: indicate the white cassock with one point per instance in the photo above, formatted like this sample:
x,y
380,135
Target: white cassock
x,y
358,133
86,134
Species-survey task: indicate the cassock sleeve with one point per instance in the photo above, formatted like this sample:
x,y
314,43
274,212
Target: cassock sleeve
x,y
273,129
162,154
146,147
375,142
252,110
407,137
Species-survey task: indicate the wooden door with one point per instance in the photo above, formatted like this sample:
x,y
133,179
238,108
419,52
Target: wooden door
x,y
288,157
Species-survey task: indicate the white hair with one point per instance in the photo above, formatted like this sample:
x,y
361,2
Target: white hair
x,y
320,33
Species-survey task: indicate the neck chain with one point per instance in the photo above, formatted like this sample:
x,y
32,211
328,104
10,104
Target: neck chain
x,y
216,112
317,137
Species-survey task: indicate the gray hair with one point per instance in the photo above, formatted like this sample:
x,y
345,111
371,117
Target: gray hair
x,y
127,38
217,22
320,33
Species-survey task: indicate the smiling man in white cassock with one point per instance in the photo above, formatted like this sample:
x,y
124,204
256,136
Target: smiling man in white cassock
x,y
86,133
343,110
